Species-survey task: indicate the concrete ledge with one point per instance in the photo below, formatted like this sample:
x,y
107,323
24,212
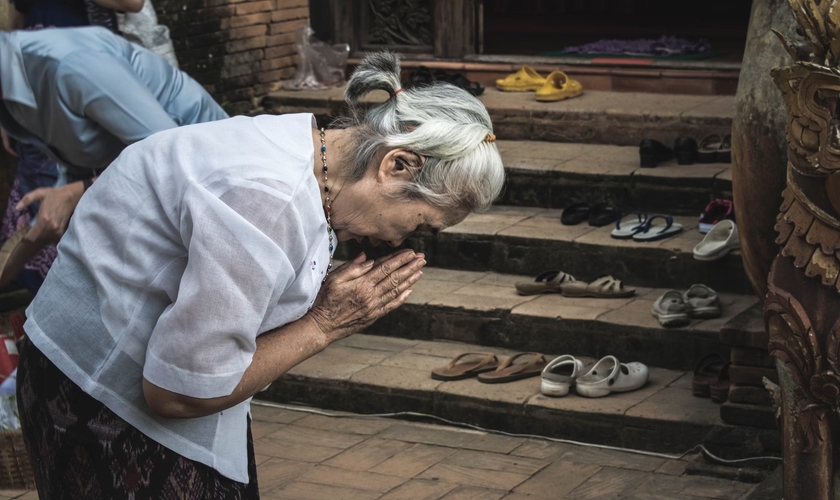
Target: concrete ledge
x,y
621,118
371,374
483,309
528,241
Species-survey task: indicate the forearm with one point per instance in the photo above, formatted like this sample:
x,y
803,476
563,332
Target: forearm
x,y
277,352
123,5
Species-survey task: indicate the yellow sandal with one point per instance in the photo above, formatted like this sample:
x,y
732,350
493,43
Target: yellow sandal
x,y
524,80
558,86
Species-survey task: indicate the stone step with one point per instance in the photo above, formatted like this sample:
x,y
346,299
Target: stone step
x,y
554,175
483,308
596,117
370,374
528,241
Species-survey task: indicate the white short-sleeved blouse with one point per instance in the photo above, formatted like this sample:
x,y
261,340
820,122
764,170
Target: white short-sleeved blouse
x,y
191,244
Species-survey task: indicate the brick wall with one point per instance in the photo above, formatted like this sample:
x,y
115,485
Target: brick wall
x,y
239,50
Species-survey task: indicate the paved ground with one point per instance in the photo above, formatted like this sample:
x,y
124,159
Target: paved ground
x,y
305,456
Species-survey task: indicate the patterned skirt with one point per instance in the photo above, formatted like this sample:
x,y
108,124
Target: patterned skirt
x,y
81,449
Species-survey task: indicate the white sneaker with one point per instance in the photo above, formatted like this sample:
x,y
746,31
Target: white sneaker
x,y
559,375
608,375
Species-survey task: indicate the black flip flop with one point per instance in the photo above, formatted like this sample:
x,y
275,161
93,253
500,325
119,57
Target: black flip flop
x,y
603,214
575,214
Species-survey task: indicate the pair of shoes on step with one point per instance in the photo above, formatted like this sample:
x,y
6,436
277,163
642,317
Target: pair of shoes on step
x,y
490,369
711,378
554,281
596,214
673,308
711,149
606,376
554,87
640,227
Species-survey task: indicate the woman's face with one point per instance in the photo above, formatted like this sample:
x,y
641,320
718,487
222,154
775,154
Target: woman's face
x,y
371,209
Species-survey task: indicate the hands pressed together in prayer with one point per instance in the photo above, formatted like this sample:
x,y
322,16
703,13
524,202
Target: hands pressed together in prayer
x,y
361,291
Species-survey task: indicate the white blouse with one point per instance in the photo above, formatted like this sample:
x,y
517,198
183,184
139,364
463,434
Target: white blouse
x,y
191,244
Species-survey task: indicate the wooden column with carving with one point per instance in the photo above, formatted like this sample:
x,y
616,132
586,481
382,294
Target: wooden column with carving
x,y
802,310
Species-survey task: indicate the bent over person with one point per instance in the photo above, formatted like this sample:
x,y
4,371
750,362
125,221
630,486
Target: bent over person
x,y
198,269
82,95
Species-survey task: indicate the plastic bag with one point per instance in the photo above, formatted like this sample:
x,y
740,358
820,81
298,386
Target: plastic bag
x,y
321,65
143,28
9,419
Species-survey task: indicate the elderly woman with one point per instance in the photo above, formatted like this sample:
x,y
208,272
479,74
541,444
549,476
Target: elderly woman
x,y
198,269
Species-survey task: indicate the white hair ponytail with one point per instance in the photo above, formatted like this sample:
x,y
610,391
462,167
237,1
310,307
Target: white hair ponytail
x,y
446,125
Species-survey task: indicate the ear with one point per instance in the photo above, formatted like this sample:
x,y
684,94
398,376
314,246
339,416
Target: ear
x,y
399,165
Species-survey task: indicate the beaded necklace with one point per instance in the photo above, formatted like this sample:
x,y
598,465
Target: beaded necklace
x,y
327,207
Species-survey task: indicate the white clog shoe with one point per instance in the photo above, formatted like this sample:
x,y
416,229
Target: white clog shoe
x,y
608,375
559,375
718,242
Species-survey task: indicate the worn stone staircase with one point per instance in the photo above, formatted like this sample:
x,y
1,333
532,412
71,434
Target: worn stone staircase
x,y
584,149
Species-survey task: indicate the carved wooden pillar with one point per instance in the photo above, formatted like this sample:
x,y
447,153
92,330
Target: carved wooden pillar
x,y
443,28
802,310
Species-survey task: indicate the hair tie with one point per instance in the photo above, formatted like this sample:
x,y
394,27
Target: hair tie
x,y
397,91
490,138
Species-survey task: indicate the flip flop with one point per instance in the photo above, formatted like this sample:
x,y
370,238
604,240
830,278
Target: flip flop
x,y
706,371
624,230
457,371
605,287
650,232
602,214
575,214
547,282
509,371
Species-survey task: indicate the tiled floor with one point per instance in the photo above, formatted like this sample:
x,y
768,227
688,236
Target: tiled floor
x,y
307,456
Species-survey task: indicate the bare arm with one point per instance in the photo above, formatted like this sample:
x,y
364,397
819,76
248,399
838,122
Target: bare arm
x,y
123,5
357,294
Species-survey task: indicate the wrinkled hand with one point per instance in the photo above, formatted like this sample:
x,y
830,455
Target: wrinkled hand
x,y
361,291
56,207
7,143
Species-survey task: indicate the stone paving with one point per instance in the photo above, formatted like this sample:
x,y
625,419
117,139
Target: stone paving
x,y
305,456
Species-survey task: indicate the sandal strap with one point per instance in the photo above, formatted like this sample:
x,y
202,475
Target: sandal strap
x,y
642,217
669,221
487,358
536,359
606,283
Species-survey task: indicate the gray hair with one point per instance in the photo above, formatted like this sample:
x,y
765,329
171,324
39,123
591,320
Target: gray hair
x,y
441,122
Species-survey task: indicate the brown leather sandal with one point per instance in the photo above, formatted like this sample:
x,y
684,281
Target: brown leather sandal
x,y
466,369
509,371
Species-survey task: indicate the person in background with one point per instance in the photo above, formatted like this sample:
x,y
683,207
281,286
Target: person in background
x,y
35,168
81,95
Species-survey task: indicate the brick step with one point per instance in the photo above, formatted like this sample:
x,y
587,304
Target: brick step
x,y
371,374
554,175
596,117
528,241
483,308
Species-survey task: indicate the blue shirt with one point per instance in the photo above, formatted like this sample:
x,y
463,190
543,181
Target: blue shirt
x,y
84,94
